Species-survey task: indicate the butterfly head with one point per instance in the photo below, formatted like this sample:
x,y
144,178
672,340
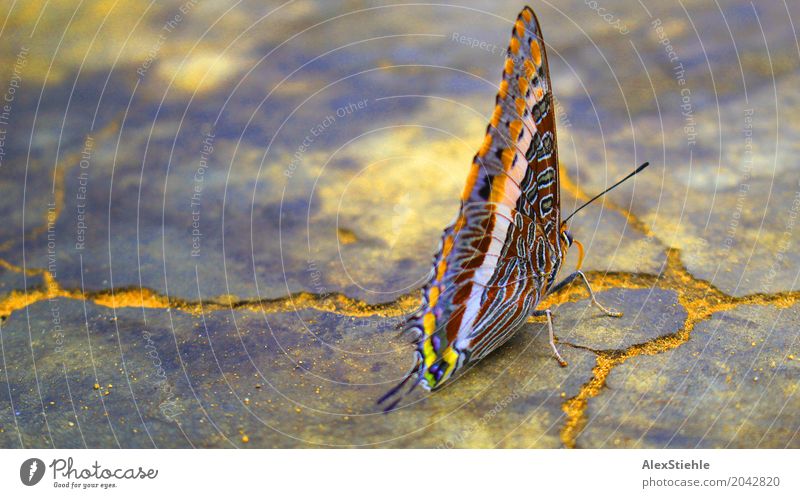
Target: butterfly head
x,y
565,236
566,239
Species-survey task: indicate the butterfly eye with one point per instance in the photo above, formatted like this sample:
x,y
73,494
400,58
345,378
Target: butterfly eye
x,y
567,237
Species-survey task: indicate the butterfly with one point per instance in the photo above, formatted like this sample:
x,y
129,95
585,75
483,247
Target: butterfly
x,y
504,250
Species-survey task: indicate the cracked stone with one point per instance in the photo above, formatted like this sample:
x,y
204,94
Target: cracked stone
x,y
310,379
648,314
349,216
732,385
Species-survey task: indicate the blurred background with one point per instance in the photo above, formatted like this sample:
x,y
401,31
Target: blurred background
x,y
216,212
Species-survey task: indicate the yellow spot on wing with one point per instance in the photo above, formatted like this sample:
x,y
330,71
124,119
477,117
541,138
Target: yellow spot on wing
x,y
471,179
529,69
508,157
433,296
520,109
441,270
536,53
523,85
487,142
503,89
526,14
513,129
460,223
451,357
428,352
446,247
428,323
520,27
514,45
498,187
448,244
498,111
509,68
539,93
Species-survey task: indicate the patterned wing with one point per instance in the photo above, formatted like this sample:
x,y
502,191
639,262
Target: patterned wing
x,y
517,164
519,160
488,275
541,197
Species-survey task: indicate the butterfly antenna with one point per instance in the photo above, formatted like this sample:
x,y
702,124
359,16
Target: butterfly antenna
x,y
609,189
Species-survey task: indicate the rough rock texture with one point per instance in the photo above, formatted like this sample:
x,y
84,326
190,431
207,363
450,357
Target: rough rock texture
x,y
143,378
734,384
648,314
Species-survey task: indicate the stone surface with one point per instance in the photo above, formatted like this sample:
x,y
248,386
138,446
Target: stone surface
x,y
647,314
377,180
298,379
734,384
716,133
14,279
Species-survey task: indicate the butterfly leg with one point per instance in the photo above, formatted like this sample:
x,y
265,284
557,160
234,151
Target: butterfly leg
x,y
549,316
595,302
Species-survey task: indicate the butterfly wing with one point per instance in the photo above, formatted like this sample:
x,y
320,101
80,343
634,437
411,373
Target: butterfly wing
x,y
541,197
519,160
493,261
